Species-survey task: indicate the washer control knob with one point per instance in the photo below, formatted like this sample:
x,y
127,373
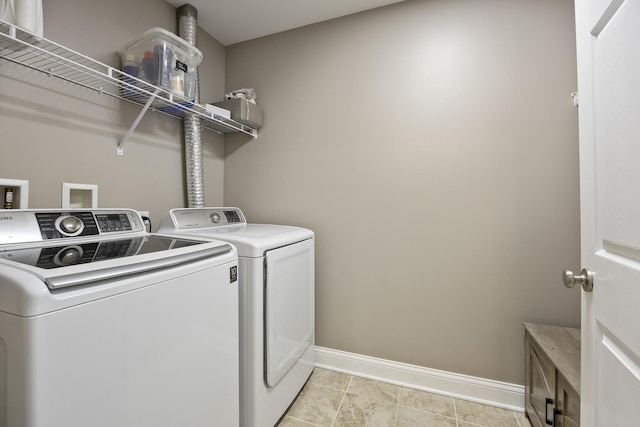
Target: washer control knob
x,y
71,224
215,217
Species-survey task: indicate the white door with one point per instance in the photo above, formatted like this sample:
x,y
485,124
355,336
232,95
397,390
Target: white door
x,y
608,43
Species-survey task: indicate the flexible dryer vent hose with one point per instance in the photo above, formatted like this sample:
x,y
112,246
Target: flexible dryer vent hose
x,y
187,29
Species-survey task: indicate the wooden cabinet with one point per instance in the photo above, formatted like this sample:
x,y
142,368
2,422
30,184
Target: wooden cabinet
x,y
552,382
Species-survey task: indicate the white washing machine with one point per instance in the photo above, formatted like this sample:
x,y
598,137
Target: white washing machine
x,y
103,324
277,305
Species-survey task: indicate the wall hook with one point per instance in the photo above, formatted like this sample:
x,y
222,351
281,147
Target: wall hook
x,y
574,95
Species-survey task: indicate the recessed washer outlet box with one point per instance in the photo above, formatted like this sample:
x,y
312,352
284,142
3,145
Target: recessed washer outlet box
x,y
79,195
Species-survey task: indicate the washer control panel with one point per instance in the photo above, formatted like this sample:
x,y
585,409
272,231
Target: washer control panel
x,y
22,226
54,225
189,218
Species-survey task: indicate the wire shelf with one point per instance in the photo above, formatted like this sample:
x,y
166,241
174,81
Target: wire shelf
x,y
37,53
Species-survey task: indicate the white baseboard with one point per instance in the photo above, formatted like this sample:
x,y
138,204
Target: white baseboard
x,y
480,390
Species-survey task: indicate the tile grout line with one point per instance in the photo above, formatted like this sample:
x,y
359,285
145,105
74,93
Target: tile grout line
x,y
327,387
395,421
303,421
344,394
455,412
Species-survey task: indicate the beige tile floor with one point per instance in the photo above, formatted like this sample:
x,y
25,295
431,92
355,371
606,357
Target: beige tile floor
x,y
333,399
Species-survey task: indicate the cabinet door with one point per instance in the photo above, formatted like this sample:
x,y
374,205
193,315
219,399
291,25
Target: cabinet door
x,y
568,404
540,385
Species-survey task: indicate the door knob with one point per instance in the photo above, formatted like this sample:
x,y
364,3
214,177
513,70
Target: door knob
x,y
585,279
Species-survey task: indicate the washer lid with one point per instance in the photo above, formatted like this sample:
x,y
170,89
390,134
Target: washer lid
x,y
34,282
83,262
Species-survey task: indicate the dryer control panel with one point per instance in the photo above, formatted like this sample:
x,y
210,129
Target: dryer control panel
x,y
23,226
190,218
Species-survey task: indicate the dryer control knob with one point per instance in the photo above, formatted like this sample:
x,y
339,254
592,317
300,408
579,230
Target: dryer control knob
x,y
215,217
71,224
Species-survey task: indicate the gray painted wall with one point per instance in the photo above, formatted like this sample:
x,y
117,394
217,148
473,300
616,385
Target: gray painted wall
x,y
53,132
432,146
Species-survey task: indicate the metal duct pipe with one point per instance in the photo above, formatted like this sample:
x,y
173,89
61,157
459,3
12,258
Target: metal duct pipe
x,y
187,29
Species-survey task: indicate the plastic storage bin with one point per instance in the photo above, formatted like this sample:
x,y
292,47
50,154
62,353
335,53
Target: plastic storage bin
x,y
161,58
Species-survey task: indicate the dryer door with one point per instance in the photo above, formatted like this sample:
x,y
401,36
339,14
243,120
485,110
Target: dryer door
x,y
289,307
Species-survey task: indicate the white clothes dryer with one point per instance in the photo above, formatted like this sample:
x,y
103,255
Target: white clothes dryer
x,y
103,324
277,305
